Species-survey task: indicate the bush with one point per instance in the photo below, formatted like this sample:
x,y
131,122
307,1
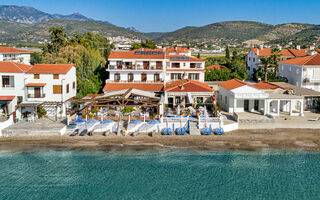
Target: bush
x,y
128,109
41,112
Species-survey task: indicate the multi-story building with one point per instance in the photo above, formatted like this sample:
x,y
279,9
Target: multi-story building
x,y
15,55
302,71
25,87
254,55
156,70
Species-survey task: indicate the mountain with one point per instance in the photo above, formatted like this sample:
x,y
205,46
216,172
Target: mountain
x,y
133,29
30,15
23,33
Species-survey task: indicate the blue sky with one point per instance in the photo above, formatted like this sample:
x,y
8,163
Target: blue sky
x,y
169,15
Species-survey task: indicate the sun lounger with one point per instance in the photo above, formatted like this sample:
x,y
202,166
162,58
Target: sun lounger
x,y
153,133
83,132
135,133
222,131
90,133
75,132
217,131
107,133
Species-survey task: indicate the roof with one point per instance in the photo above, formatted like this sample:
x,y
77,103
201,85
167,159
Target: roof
x,y
233,83
266,52
12,50
183,58
306,60
35,84
301,91
7,98
134,55
155,87
177,50
188,86
181,69
269,86
50,68
215,67
13,67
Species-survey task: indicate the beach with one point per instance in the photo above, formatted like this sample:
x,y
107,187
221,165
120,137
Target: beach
x,y
247,140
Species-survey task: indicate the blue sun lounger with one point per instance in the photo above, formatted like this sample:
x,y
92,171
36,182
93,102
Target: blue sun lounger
x,y
135,133
83,132
75,132
107,133
90,133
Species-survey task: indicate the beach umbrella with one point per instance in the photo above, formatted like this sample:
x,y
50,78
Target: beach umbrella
x,y
78,121
107,121
136,122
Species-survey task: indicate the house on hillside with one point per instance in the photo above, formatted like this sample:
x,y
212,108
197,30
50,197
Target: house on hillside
x,y
266,98
15,55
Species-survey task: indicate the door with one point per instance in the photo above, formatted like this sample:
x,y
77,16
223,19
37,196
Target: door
x,y
246,105
36,92
143,77
170,102
256,105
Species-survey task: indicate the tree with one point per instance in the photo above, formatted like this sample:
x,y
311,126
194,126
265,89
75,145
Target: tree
x,y
198,56
136,46
227,52
36,57
275,57
58,38
149,44
265,63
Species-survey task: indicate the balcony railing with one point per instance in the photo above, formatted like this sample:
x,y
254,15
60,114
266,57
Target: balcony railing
x,y
134,67
36,95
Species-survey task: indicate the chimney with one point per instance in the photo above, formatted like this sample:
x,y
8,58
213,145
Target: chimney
x,y
261,46
298,47
280,48
257,52
312,47
311,53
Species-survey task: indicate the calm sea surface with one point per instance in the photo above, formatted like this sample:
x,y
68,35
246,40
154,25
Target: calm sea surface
x,y
49,174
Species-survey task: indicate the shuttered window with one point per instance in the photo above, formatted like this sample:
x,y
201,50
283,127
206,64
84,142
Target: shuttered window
x,y
57,89
74,85
67,88
55,76
36,76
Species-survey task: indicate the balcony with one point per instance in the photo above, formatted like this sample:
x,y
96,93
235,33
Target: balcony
x,y
134,67
36,96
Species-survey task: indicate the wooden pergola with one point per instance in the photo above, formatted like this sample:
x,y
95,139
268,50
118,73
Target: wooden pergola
x,y
123,98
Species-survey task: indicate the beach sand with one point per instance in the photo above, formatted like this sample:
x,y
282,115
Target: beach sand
x,y
247,140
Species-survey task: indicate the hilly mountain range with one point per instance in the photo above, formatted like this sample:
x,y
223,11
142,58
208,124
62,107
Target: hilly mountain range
x,y
21,24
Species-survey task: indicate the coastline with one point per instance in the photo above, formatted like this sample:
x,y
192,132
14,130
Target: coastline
x,y
239,140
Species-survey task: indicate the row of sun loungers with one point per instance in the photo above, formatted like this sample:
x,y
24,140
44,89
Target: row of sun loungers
x,y
209,131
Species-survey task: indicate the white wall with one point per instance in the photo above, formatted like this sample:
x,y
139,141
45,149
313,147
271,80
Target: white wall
x,y
252,62
16,57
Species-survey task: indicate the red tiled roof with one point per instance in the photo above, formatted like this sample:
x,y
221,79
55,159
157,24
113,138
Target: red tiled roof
x,y
13,67
7,98
177,50
179,69
215,67
306,60
50,69
284,52
132,55
154,87
12,50
268,86
233,83
188,86
35,84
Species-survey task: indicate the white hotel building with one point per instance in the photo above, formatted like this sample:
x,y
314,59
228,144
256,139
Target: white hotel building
x,y
15,55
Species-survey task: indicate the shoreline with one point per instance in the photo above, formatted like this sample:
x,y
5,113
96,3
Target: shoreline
x,y
239,140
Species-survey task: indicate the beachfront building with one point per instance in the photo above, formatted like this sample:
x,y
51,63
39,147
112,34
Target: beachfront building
x,y
25,87
254,55
302,71
15,55
269,99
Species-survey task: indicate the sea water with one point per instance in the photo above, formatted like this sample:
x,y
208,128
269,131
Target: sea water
x,y
73,174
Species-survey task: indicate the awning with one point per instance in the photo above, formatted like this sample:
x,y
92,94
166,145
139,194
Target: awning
x,y
35,84
7,98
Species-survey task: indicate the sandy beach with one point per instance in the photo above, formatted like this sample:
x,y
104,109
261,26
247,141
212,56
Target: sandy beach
x,y
276,139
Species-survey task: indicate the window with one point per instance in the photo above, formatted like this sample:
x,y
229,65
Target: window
x,y
254,60
143,77
57,89
249,58
117,77
20,99
55,76
194,76
290,69
178,100
156,77
130,77
184,64
282,67
199,99
67,88
175,76
73,85
8,81
226,100
36,76
297,71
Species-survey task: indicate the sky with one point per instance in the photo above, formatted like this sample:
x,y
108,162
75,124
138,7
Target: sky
x,y
170,15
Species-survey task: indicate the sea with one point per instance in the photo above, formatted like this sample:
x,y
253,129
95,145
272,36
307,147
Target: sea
x,y
158,174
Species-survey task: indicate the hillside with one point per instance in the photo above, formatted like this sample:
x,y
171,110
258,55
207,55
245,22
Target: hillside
x,y
39,32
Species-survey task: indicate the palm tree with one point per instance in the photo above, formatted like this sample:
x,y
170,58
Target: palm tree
x,y
265,63
275,57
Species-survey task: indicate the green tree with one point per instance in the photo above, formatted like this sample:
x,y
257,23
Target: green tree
x,y
136,46
149,44
198,56
265,63
275,57
227,52
58,38
36,57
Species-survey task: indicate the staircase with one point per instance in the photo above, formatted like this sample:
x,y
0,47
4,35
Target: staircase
x,y
194,126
